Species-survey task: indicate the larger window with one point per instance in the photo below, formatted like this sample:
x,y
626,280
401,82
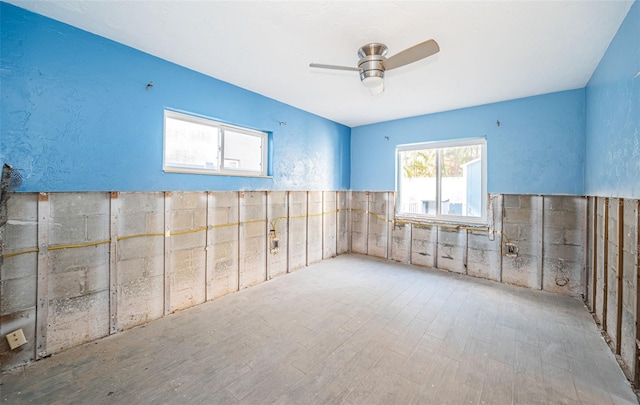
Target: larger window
x,y
200,145
443,180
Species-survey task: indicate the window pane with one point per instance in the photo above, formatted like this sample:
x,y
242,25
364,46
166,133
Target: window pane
x,y
242,151
190,145
461,181
418,182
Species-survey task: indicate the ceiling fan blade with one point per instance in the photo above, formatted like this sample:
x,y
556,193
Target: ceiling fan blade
x,y
334,67
413,54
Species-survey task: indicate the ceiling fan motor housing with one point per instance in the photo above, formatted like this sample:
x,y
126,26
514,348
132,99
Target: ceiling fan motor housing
x,y
371,64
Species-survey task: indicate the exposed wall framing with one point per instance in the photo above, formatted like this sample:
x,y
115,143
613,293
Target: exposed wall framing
x,y
612,291
80,266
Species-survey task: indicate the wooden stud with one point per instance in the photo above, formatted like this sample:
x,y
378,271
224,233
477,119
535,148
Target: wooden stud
x,y
289,231
366,234
267,237
167,252
240,227
337,219
605,253
389,218
636,378
113,264
585,277
42,294
620,273
349,221
322,255
307,232
541,241
594,269
208,242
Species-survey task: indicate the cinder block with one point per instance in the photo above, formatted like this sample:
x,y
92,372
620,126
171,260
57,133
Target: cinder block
x,y
627,347
519,215
68,231
74,321
20,235
98,228
22,207
521,271
10,322
77,281
483,264
253,269
563,219
19,266
73,205
91,256
155,222
451,258
143,246
224,277
17,294
188,200
401,243
562,277
187,278
194,240
132,223
182,220
511,201
137,202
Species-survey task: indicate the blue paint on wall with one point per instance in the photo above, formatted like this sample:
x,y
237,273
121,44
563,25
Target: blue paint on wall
x,y
538,148
613,116
76,116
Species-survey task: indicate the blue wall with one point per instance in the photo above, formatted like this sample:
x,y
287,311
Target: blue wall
x,y
537,149
76,116
613,116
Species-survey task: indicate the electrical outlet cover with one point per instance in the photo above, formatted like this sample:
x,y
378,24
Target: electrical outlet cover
x,y
16,339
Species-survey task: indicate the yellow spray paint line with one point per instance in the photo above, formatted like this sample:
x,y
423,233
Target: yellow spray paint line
x,y
139,235
273,223
78,245
6,255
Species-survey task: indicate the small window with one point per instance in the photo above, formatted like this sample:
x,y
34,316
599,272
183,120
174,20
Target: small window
x,y
200,145
442,180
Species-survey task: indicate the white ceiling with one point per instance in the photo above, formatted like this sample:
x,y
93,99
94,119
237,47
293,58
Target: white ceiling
x,y
490,50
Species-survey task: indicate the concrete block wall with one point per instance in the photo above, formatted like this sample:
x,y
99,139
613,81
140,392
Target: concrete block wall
x,y
140,259
18,277
80,266
223,244
314,227
297,230
78,279
613,254
277,208
548,231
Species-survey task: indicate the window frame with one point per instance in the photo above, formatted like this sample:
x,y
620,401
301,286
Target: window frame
x,y
443,218
220,170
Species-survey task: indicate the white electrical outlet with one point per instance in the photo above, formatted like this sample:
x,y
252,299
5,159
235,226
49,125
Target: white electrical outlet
x,y
16,339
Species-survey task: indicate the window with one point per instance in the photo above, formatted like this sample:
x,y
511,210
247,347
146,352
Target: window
x,y
200,145
442,180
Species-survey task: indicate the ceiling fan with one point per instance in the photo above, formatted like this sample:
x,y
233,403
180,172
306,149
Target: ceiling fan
x,y
373,62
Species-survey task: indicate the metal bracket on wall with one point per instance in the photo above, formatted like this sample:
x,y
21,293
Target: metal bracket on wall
x,y
42,306
167,253
113,263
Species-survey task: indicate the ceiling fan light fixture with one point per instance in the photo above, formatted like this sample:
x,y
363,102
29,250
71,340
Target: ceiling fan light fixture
x,y
374,91
373,82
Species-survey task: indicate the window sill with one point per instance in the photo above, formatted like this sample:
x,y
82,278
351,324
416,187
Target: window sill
x,y
212,173
442,223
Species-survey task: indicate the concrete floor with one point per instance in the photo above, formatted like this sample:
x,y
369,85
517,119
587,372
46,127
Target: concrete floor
x,y
352,330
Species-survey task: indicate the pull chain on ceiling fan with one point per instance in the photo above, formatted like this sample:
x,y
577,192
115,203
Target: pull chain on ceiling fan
x,y
373,62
